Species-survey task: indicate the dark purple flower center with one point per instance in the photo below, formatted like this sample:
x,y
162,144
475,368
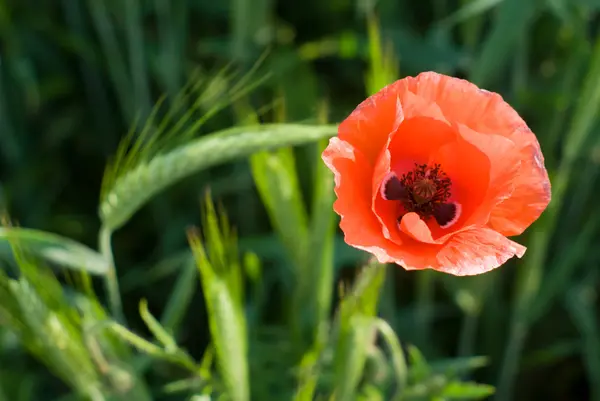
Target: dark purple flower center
x,y
424,190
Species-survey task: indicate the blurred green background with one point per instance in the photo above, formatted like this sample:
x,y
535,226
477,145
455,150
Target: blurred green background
x,y
76,75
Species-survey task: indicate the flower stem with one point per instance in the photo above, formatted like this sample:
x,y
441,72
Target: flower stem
x,y
111,283
510,363
468,331
425,282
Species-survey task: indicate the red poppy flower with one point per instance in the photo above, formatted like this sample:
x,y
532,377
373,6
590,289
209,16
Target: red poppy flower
x,y
433,172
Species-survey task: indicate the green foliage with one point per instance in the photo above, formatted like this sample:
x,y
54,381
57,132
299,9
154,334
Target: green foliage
x,y
53,248
221,276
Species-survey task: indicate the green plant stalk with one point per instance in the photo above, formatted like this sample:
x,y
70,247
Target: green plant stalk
x,y
531,274
425,284
356,330
135,41
529,280
111,282
355,339
397,356
581,303
316,285
510,25
117,67
471,28
468,332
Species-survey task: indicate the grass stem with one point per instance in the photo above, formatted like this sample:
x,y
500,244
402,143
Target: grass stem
x,y
111,282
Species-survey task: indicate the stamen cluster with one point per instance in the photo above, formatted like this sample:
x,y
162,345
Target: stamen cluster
x,y
427,188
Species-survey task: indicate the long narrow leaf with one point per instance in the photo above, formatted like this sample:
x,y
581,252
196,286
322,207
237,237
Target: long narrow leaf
x,y
137,187
57,249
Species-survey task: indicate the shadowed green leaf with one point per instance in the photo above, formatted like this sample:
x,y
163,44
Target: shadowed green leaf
x,y
55,248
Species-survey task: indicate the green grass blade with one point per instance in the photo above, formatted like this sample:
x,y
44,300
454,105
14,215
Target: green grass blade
x,y
228,333
397,354
564,267
137,62
355,330
459,366
530,278
510,26
181,297
117,66
318,282
277,183
309,372
425,306
159,332
351,355
139,185
462,391
471,9
247,18
56,249
226,320
581,304
383,65
176,356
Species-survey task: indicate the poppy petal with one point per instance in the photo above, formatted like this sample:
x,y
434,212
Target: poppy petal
x,y
486,112
416,139
476,251
529,198
498,181
505,168
413,226
464,102
418,106
369,126
352,174
469,169
412,143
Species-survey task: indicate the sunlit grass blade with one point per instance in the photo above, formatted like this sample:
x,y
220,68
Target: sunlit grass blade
x,y
159,332
176,306
466,391
277,182
216,258
56,249
317,281
163,130
356,334
354,330
135,188
396,355
34,307
383,65
310,369
174,355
